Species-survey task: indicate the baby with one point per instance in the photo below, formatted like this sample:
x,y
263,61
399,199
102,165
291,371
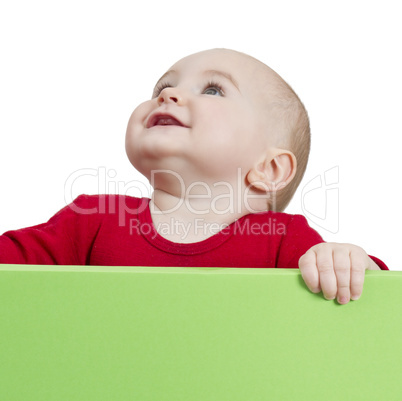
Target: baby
x,y
224,142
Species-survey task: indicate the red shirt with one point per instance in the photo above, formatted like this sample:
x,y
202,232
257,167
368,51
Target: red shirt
x,y
116,230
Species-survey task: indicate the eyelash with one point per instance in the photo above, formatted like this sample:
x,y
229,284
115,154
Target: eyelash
x,y
162,85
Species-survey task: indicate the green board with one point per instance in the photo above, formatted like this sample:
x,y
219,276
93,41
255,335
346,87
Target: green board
x,y
157,333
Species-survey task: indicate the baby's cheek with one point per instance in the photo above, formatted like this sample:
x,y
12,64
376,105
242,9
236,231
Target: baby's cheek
x,y
134,128
141,112
137,120
130,148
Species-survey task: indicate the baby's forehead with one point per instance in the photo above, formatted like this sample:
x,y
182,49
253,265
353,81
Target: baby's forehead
x,y
248,72
228,60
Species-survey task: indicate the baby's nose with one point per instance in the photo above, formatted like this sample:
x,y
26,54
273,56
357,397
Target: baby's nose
x,y
169,95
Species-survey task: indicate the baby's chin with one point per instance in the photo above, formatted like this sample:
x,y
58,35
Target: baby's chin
x,y
150,161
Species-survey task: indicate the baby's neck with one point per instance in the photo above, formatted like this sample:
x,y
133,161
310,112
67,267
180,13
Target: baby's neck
x,y
196,218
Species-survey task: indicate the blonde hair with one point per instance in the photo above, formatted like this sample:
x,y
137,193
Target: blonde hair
x,y
296,137
292,124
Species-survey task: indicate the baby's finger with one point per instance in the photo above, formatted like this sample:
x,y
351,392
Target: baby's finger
x,y
342,272
359,264
325,266
309,272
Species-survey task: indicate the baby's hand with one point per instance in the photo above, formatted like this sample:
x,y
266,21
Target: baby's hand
x,y
336,269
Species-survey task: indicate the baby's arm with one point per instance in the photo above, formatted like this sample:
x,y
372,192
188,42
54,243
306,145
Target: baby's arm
x,y
65,239
336,269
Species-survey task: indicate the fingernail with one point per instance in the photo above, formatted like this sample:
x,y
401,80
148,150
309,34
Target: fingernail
x,y
355,297
329,298
343,300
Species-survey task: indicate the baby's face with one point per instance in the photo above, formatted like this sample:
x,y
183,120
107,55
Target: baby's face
x,y
205,119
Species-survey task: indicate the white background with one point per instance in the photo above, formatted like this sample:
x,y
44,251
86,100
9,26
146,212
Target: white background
x,y
72,72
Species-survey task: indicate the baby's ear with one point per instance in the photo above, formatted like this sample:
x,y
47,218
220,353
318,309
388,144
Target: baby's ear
x,y
274,171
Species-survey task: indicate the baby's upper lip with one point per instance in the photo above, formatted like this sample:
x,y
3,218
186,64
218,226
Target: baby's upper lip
x,y
162,118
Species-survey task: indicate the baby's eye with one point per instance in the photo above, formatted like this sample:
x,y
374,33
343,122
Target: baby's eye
x,y
213,89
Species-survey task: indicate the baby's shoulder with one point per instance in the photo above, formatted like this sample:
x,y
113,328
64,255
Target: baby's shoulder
x,y
107,204
285,218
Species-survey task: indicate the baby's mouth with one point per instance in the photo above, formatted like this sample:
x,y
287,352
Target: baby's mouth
x,y
163,120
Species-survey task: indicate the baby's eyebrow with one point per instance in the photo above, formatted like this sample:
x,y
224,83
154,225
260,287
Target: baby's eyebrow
x,y
224,75
207,72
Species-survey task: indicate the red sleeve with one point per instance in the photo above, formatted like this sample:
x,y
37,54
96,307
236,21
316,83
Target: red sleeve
x,y
298,239
64,240
379,262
